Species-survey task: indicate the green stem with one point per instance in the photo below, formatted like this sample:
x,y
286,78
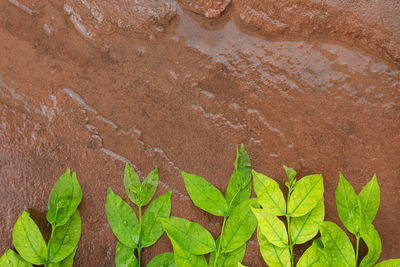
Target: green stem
x,y
357,245
139,248
53,229
288,225
220,242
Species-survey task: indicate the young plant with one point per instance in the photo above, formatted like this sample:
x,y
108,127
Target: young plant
x,y
191,241
304,212
357,213
65,222
133,233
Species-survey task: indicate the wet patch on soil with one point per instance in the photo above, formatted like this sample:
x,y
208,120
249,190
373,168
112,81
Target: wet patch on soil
x,y
157,85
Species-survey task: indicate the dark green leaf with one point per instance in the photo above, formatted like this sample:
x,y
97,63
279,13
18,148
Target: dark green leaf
x,y
337,245
239,187
228,259
306,195
65,239
373,241
67,262
239,227
274,256
190,236
64,199
125,256
132,184
151,227
389,263
348,205
304,228
28,240
269,195
12,259
163,260
149,187
204,195
272,228
122,219
370,197
184,258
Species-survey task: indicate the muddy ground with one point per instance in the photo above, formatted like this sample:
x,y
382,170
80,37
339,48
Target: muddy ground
x,y
90,84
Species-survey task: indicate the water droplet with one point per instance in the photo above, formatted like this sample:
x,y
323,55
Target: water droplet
x,y
118,249
125,223
66,239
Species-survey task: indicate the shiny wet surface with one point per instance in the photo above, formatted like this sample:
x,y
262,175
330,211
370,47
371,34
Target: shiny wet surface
x,y
181,96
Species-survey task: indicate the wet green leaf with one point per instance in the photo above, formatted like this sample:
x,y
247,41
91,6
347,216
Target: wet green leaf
x,y
163,260
337,245
205,195
122,219
348,205
274,256
272,228
304,228
151,227
269,195
370,197
67,262
184,258
239,227
190,236
28,240
291,174
125,256
306,195
65,239
389,263
311,258
132,184
12,259
373,242
64,199
148,187
227,259
239,187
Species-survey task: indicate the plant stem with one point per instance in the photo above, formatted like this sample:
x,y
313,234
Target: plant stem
x,y
357,245
288,225
139,248
220,242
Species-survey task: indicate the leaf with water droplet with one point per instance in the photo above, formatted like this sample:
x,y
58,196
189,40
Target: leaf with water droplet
x,y
148,187
65,239
370,197
67,262
125,256
132,184
64,199
122,219
184,258
163,260
371,238
11,259
274,256
389,263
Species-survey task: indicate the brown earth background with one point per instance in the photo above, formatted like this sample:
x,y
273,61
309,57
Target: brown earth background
x,y
90,84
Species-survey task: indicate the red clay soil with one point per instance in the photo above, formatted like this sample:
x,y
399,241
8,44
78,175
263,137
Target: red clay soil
x,y
91,84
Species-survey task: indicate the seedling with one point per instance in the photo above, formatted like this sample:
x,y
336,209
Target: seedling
x,y
65,222
135,234
357,213
304,212
191,241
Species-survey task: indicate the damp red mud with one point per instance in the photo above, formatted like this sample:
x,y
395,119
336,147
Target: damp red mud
x,y
90,84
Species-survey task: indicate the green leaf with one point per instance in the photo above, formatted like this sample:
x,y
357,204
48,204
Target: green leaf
x,y
373,242
191,236
306,195
272,228
269,194
311,258
122,219
204,195
337,245
274,256
164,260
67,262
228,259
125,256
304,228
28,240
64,199
151,227
239,187
132,184
239,227
184,258
12,259
65,239
291,174
370,197
389,263
348,205
149,187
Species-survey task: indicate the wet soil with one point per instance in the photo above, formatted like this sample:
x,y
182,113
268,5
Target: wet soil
x,y
92,84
